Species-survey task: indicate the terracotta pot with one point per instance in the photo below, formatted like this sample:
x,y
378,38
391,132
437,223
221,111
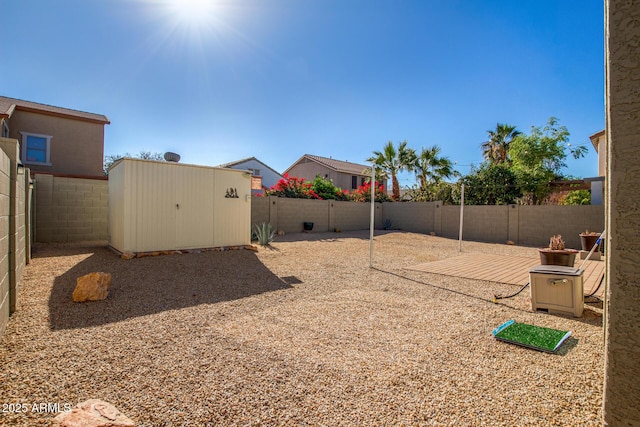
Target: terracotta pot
x,y
587,241
565,257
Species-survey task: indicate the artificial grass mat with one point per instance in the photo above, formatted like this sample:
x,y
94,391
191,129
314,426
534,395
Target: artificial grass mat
x,y
535,337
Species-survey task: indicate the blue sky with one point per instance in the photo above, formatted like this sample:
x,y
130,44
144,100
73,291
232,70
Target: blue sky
x,y
276,79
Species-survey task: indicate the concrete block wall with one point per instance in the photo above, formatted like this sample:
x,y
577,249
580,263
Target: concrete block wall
x,y
4,239
293,212
524,225
70,209
289,215
350,216
13,227
418,217
536,224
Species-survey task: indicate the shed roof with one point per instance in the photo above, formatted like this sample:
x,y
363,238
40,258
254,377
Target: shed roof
x,y
336,165
9,105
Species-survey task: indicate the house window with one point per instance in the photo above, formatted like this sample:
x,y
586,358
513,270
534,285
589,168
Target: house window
x,y
256,172
5,129
36,149
354,182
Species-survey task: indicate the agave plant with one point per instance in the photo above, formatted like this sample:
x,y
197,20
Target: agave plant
x,y
264,233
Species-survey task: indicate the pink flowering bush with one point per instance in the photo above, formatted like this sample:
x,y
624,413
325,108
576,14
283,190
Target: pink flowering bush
x,y
363,193
293,187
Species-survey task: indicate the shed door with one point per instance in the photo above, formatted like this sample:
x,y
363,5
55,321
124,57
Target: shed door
x,y
194,206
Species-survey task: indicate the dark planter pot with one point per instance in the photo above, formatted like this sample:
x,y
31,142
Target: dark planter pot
x,y
566,257
308,226
587,242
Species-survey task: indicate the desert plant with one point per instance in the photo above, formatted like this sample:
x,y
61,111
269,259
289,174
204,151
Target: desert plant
x,y
589,233
264,233
578,197
556,243
387,224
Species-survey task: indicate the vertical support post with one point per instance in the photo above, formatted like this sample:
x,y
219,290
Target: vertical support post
x,y
373,213
461,219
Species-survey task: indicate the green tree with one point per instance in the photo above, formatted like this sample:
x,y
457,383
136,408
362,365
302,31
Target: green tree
x,y
325,188
577,197
491,184
496,149
394,161
109,159
539,157
430,167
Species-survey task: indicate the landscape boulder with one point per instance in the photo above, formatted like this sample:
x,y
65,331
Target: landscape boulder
x,y
93,413
92,287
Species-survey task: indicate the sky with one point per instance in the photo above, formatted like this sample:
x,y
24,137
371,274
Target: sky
x,y
221,80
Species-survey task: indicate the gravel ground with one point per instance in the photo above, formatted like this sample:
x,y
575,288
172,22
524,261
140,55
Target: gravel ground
x,y
301,334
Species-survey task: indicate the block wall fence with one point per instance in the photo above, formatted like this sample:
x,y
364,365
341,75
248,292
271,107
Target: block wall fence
x,y
15,219
70,209
74,209
524,225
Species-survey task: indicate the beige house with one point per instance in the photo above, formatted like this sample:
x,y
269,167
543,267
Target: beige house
x,y
599,141
55,140
345,175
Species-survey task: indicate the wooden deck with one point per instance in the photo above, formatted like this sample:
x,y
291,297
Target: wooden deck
x,y
505,269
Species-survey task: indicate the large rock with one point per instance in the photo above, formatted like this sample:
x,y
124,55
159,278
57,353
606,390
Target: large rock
x,y
93,413
92,287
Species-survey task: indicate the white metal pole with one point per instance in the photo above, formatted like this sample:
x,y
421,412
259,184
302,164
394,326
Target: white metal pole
x,y
461,219
373,207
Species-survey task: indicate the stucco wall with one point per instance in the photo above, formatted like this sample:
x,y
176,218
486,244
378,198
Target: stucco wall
x,y
622,319
310,170
70,209
76,146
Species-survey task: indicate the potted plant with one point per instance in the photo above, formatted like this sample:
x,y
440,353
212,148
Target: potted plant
x,y
307,226
556,254
588,239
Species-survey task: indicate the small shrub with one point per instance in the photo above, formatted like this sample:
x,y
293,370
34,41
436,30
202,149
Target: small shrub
x,y
387,224
264,233
578,197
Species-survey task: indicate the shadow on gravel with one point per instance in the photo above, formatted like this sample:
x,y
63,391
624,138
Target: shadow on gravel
x,y
143,286
330,236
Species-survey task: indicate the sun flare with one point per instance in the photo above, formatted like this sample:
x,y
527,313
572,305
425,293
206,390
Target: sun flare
x,y
192,12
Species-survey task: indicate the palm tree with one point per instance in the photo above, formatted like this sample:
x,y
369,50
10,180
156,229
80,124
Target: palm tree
x,y
430,167
496,149
394,161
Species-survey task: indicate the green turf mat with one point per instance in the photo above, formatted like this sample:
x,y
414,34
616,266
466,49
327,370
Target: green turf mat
x,y
535,337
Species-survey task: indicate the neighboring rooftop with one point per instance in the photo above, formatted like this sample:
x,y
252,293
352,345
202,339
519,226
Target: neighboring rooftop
x,y
9,105
337,165
248,159
595,137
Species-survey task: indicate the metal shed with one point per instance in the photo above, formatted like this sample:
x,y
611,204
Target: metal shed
x,y
159,206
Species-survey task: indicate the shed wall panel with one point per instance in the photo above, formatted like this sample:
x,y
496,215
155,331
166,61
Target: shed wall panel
x,y
232,216
157,206
116,208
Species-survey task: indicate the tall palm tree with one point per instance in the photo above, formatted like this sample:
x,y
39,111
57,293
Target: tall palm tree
x,y
496,149
429,166
394,161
